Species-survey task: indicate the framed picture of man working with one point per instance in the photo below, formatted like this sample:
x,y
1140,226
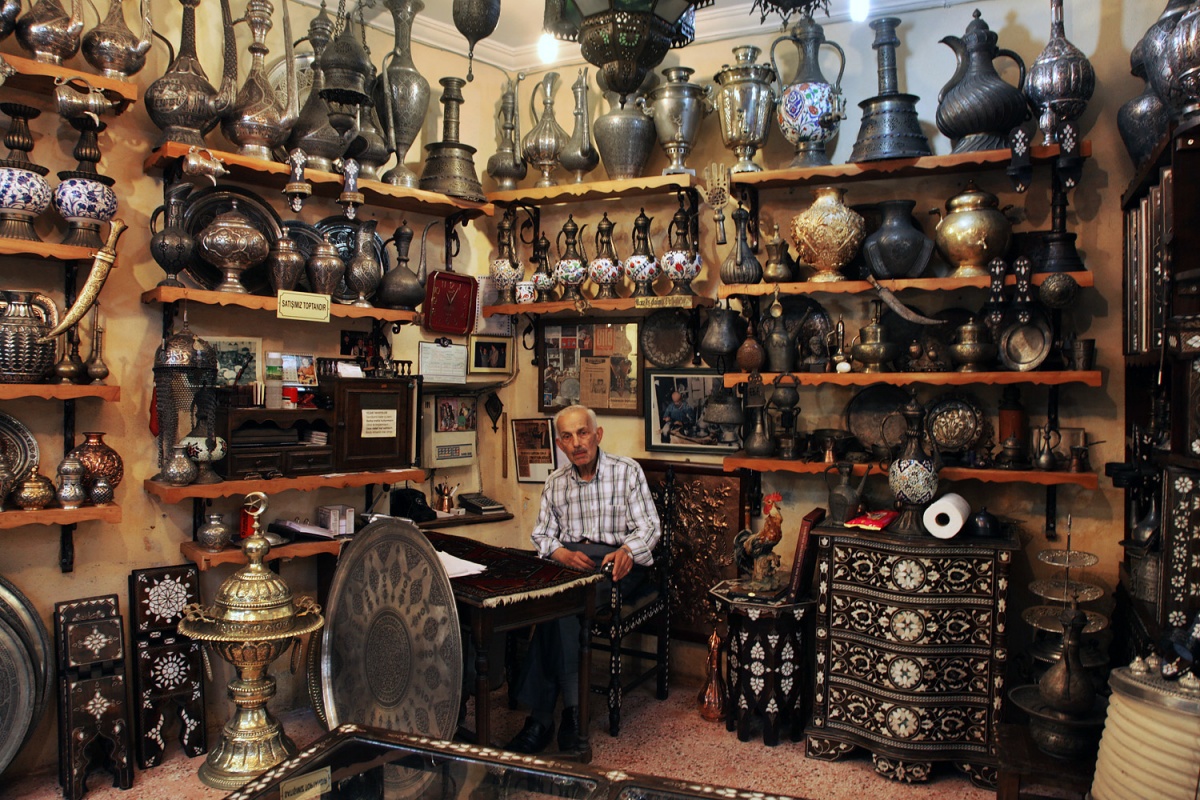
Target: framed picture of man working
x,y
677,403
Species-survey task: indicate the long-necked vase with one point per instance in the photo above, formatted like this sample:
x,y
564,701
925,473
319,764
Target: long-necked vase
x,y
406,92
810,108
579,156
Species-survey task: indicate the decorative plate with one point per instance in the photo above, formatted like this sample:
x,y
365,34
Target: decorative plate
x,y
277,77
19,447
666,338
204,205
814,332
19,612
1024,346
391,652
872,416
343,233
18,688
954,422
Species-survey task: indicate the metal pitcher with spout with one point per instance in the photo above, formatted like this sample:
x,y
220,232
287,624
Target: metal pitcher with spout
x,y
579,155
182,103
113,48
977,109
506,165
546,139
258,121
49,32
845,499
810,107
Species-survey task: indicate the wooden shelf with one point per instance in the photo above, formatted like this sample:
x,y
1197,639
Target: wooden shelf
x,y
60,516
637,306
463,519
49,251
1084,279
58,391
895,168
34,76
1088,480
205,560
1086,377
307,483
171,294
273,175
594,190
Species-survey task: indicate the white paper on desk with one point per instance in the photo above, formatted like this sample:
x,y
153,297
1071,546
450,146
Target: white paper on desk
x,y
459,567
347,370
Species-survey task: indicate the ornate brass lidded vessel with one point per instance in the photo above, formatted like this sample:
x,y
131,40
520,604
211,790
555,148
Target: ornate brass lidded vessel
x,y
253,621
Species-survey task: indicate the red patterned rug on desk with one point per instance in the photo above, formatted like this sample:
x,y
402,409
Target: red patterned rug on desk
x,y
510,577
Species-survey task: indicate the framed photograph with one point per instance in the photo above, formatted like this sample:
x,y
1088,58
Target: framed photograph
x,y
534,449
356,344
239,359
597,364
299,369
490,354
675,404
455,413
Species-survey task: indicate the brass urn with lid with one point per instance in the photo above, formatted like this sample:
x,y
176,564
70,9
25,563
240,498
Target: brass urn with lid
x,y
252,622
973,232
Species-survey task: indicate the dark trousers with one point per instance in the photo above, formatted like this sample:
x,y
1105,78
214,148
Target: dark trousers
x,y
552,664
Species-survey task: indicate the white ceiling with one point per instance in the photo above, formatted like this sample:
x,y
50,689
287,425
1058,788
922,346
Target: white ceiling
x,y
513,46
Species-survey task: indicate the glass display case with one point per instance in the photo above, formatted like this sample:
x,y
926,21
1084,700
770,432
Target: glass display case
x,y
353,762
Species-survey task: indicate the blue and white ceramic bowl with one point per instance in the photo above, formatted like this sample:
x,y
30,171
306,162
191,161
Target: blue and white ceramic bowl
x,y
84,199
23,191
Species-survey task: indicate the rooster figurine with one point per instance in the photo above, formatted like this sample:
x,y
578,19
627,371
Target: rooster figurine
x,y
752,551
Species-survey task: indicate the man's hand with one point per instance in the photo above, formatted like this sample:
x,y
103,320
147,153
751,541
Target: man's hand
x,y
622,562
573,559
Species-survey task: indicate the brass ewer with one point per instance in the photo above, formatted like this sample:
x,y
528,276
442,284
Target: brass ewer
x,y
253,621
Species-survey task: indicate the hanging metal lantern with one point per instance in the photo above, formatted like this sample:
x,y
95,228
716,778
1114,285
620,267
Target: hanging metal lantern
x,y
624,39
476,20
348,73
185,377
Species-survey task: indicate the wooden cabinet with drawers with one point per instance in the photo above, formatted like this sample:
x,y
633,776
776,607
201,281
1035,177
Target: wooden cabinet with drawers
x,y
910,651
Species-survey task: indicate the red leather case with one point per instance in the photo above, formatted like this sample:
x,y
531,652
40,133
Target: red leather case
x,y
450,303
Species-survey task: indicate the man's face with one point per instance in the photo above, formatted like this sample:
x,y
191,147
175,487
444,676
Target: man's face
x,y
577,439
676,397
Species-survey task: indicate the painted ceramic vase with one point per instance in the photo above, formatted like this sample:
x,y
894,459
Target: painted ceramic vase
x,y
23,192
605,269
641,266
570,270
525,291
828,234
810,108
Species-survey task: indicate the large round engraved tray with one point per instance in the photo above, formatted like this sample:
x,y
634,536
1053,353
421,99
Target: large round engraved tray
x,y
391,652
17,691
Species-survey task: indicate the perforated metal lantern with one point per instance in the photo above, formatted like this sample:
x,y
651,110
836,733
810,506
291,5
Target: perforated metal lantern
x,y
624,39
185,378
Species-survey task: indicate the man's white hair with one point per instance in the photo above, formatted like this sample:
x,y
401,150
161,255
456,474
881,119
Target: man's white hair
x,y
591,415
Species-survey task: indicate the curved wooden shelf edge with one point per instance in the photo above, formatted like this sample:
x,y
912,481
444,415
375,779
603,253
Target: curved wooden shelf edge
x,y
34,76
593,190
1092,378
945,164
172,294
272,174
306,483
110,513
1085,280
204,559
1087,480
59,391
632,305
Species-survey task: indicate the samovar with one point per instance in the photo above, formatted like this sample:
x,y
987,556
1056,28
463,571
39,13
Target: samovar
x,y
253,621
745,104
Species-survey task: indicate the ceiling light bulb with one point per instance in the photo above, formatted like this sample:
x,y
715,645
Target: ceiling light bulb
x,y
547,48
860,10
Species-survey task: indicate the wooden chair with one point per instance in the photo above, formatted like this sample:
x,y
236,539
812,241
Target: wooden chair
x,y
648,612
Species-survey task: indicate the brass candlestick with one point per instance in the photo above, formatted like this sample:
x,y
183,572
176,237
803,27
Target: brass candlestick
x,y
253,621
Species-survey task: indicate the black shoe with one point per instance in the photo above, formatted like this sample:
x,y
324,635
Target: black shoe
x,y
568,732
533,738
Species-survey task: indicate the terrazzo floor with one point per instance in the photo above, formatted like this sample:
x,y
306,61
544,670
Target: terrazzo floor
x,y
657,738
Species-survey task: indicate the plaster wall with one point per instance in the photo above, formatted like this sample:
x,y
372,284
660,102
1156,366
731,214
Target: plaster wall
x,y
151,531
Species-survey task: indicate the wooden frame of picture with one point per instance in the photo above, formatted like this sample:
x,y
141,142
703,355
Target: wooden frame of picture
x,y
534,449
597,364
233,368
684,430
489,354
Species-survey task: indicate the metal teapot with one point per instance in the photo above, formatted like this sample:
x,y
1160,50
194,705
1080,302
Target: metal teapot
x,y
1044,458
845,499
258,121
49,32
401,287
976,108
113,48
182,103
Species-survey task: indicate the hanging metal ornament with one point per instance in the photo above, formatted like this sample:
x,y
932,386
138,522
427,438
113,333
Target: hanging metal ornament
x,y
347,70
476,20
786,8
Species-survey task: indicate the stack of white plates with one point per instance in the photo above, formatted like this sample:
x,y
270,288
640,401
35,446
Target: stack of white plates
x,y
26,671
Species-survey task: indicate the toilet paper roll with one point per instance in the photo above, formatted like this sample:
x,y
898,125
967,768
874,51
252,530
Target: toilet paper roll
x,y
946,516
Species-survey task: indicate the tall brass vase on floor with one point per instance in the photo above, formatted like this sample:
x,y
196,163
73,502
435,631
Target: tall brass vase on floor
x,y
713,695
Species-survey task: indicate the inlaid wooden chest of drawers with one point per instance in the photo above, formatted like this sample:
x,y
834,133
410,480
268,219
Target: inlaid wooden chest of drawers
x,y
910,651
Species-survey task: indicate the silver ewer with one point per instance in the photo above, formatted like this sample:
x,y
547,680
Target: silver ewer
x,y
1061,80
677,108
113,48
745,102
258,121
50,32
546,139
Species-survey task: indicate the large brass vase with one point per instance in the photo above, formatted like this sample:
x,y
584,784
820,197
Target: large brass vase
x,y
253,622
828,234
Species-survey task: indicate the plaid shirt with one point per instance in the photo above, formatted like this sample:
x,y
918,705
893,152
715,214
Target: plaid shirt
x,y
613,508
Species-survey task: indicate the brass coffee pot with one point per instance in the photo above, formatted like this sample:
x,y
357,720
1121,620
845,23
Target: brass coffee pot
x,y
872,350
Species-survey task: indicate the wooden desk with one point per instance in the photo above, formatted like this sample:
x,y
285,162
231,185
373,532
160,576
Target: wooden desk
x,y
518,590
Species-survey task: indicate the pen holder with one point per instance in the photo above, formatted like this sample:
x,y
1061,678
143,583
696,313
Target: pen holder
x,y
443,501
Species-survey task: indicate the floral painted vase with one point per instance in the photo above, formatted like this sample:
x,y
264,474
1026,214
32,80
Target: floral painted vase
x,y
641,266
605,269
810,107
570,270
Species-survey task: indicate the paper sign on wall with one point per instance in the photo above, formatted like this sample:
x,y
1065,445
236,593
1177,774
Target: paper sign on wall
x,y
303,306
379,423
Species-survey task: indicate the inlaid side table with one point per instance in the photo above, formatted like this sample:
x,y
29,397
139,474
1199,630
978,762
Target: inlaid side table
x,y
766,646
